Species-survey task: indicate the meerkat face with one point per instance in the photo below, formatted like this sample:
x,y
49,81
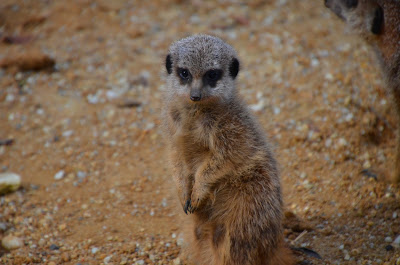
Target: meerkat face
x,y
364,16
202,69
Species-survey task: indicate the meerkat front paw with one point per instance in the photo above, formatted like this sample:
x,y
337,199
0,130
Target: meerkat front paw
x,y
186,202
188,208
198,193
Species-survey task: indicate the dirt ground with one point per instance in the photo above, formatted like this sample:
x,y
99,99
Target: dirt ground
x,y
92,120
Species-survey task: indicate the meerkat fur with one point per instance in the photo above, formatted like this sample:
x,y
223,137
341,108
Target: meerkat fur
x,y
223,167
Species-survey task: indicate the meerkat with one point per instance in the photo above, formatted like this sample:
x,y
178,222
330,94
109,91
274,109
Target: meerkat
x,y
223,167
378,22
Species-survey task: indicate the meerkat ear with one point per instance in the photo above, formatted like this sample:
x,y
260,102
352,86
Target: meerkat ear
x,y
168,64
234,68
377,22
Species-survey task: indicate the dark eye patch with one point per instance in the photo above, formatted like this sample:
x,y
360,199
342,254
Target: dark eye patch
x,y
351,3
212,76
377,23
184,74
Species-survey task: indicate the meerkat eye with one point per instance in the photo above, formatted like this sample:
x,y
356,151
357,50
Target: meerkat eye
x,y
184,73
213,75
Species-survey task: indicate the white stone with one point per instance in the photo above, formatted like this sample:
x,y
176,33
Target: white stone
x,y
11,242
276,110
59,175
257,107
42,242
68,133
9,182
94,250
107,259
396,242
329,77
342,142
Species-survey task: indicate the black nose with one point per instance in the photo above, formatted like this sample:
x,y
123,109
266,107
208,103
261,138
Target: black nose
x,y
195,98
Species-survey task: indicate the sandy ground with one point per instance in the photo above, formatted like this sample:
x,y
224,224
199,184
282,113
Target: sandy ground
x,y
93,117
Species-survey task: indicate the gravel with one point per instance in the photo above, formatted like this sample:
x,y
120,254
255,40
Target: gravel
x,y
317,92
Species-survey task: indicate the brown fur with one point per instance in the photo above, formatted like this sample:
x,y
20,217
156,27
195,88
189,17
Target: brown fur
x,y
224,170
385,39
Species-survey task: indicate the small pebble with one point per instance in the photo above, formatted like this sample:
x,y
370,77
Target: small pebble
x,y
54,247
396,242
389,248
9,182
65,257
342,142
94,250
59,175
107,259
68,133
62,227
81,174
329,77
11,242
257,107
388,239
3,227
42,242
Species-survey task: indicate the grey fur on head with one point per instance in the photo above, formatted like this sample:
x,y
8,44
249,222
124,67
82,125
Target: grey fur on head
x,y
203,60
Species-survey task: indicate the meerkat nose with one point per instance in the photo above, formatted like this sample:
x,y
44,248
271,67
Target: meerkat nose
x,y
195,98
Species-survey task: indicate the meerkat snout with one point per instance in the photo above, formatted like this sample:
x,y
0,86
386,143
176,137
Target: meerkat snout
x,y
195,95
196,88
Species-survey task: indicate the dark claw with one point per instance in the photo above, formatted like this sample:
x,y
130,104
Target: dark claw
x,y
188,206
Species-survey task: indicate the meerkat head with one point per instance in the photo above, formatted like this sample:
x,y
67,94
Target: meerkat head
x,y
202,69
365,17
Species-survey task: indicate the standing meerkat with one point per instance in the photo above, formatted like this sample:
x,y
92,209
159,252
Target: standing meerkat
x,y
378,22
225,172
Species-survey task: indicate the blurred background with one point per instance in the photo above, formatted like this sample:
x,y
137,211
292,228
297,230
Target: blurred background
x,y
81,87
